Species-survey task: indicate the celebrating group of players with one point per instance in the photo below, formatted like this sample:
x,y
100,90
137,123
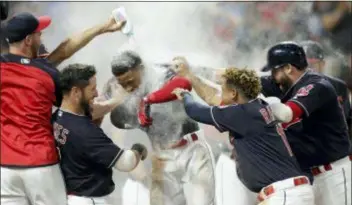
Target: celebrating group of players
x,y
290,146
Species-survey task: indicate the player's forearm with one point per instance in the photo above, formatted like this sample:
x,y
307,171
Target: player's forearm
x,y
100,109
208,93
74,43
196,111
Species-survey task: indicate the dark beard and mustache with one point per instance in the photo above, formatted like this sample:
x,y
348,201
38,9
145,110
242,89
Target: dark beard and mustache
x,y
85,106
285,84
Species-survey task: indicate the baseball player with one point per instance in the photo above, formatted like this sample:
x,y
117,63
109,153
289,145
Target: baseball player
x,y
87,154
228,184
315,58
183,164
29,89
315,123
319,136
265,162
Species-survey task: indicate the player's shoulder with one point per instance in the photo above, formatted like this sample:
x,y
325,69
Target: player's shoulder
x,y
315,80
336,82
76,123
2,58
245,108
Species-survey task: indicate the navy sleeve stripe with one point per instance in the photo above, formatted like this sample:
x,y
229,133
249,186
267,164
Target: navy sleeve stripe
x,y
215,123
116,158
302,106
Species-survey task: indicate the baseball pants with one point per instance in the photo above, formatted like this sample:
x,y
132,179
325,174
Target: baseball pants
x,y
286,193
184,175
32,186
333,186
229,188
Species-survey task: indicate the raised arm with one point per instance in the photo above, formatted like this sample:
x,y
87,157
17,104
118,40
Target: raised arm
x,y
74,43
205,91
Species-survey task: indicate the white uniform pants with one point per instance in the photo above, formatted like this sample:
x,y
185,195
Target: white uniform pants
x,y
184,175
333,187
229,188
288,194
32,186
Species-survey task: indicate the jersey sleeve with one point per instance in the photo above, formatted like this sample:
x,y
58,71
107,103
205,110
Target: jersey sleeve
x,y
313,96
230,118
100,149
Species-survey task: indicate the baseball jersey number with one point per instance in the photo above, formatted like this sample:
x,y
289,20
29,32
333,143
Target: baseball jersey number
x,y
60,133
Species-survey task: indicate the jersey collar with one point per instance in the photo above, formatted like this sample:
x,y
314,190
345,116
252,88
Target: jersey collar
x,y
299,79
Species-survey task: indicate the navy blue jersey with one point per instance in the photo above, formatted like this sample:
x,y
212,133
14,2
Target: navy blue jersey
x,y
270,88
261,149
342,96
87,155
309,146
323,124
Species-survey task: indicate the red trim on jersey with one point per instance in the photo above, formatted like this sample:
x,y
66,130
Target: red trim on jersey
x,y
297,113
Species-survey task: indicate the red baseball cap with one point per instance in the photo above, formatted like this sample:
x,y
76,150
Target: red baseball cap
x,y
24,24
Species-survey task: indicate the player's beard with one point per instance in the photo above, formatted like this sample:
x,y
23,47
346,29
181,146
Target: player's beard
x,y
35,50
285,83
85,106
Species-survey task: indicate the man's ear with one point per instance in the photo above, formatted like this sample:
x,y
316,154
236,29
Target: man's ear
x,y
28,40
288,69
234,95
75,92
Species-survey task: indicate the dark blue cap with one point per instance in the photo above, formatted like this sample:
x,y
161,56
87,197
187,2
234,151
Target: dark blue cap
x,y
24,24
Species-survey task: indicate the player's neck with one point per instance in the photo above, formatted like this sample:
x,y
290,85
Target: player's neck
x,y
242,100
298,75
18,50
66,105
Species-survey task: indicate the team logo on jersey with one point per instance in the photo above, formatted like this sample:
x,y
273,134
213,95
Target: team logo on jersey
x,y
25,61
304,91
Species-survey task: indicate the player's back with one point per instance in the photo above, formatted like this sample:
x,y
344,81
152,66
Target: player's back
x,y
262,152
29,88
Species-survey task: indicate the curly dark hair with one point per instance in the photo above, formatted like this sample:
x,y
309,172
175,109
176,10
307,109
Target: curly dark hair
x,y
76,75
247,82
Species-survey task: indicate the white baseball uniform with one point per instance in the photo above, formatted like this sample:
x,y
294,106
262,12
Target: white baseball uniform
x,y
333,186
32,186
287,193
186,174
